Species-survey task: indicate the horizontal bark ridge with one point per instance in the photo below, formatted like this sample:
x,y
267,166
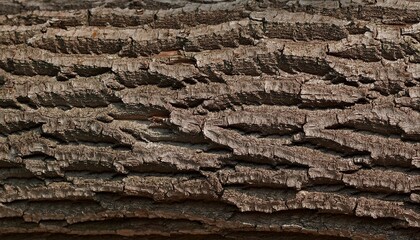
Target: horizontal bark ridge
x,y
210,119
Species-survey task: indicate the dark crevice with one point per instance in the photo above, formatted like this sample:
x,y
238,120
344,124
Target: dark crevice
x,y
329,147
21,128
38,156
369,127
26,101
280,130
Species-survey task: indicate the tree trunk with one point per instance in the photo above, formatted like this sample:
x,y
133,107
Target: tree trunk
x,y
209,119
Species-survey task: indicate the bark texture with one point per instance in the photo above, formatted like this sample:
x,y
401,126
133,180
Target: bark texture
x,y
209,119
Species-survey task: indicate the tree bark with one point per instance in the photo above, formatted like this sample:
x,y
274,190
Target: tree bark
x,y
210,119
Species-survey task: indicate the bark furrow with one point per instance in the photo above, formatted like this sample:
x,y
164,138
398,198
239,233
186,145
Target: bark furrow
x,y
210,119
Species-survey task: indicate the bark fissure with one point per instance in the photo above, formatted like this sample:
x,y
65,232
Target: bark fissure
x,y
213,119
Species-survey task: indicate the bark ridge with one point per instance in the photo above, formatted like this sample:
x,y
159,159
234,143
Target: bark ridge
x,y
210,119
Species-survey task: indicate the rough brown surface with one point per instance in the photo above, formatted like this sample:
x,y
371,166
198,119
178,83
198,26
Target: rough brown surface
x,y
209,119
